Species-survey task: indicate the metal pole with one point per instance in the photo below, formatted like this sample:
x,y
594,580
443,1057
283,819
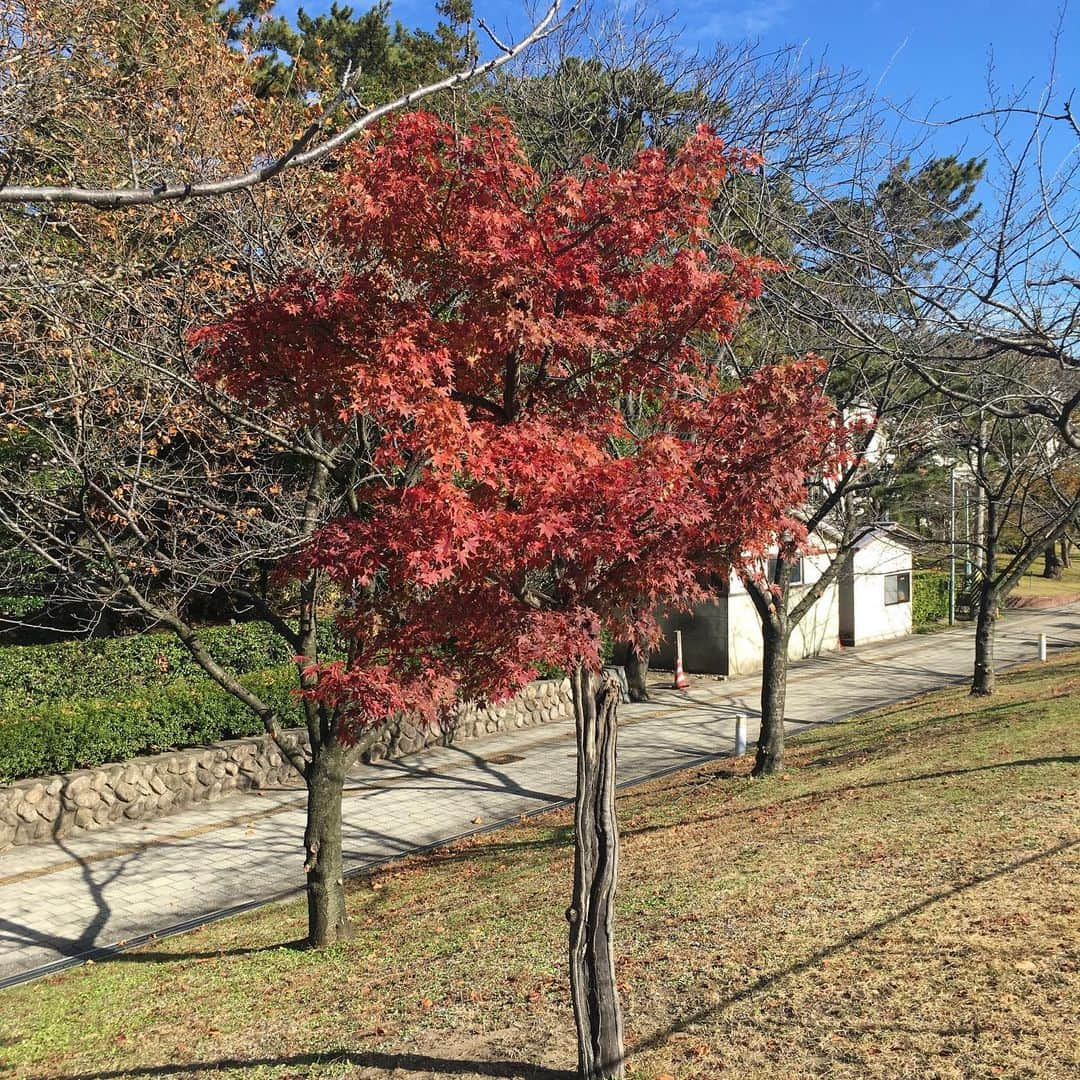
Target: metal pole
x,y
967,538
952,545
1042,648
740,735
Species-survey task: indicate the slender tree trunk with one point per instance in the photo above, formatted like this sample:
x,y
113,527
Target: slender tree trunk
x,y
596,866
983,682
986,598
637,675
1066,552
978,549
1052,565
328,921
770,747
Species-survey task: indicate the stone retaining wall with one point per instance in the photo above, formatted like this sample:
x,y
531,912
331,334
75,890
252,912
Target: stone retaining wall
x,y
149,787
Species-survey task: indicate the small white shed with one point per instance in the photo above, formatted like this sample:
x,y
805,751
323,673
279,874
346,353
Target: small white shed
x,y
724,637
875,586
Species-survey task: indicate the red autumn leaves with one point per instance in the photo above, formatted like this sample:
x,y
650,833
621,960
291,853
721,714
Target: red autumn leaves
x,y
488,327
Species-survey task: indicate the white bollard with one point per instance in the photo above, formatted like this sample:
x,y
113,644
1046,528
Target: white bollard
x,y
740,734
1042,648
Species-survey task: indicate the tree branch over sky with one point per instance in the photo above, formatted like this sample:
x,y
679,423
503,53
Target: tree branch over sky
x,y
309,147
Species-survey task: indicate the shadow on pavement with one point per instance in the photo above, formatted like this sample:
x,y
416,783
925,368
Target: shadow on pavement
x,y
15,933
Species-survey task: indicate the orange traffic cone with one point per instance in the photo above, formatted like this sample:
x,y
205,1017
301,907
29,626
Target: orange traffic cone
x,y
681,681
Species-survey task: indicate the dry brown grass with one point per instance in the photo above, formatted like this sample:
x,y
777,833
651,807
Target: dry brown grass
x,y
902,904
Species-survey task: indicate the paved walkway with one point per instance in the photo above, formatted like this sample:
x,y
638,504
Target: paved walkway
x,y
67,900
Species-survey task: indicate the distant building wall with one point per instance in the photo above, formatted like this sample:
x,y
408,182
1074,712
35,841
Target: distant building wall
x,y
865,615
724,638
705,639
818,632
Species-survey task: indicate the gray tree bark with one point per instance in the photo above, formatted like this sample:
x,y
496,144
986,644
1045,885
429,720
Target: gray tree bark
x,y
984,680
637,675
596,865
1052,564
328,920
769,758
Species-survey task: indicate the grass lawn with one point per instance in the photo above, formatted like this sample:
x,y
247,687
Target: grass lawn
x,y
903,904
1034,584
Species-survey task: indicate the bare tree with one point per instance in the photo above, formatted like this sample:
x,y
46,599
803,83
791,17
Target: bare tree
x,y
43,67
135,488
1008,287
960,271
1027,480
890,422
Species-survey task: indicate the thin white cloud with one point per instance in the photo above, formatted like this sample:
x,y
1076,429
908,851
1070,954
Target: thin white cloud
x,y
739,20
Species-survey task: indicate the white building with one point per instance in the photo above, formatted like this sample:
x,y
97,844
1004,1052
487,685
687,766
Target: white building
x,y
871,601
875,587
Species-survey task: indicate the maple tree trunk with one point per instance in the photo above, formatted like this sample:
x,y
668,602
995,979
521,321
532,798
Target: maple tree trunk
x,y
596,865
637,675
1066,553
774,670
983,681
328,920
1052,565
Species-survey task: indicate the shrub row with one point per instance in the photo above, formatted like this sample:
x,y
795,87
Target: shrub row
x,y
929,597
31,675
60,736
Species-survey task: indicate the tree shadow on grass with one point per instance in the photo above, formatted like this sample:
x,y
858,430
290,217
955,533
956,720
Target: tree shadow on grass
x,y
142,955
561,835
659,1038
524,1071
514,1070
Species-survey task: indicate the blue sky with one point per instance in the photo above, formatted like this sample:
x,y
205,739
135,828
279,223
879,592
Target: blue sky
x,y
934,52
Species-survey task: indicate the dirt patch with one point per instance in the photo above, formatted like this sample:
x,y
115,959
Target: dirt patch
x,y
1041,602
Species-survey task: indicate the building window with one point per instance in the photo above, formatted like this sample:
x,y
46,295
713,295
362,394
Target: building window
x,y
796,572
898,588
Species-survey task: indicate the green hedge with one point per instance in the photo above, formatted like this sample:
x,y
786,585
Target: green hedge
x,y
31,675
929,597
63,735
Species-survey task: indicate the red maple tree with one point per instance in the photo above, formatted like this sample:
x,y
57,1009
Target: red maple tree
x,y
486,327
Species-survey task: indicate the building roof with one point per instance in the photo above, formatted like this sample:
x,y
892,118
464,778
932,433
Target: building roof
x,y
890,531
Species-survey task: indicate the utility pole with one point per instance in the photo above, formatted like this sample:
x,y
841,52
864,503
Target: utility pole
x,y
979,538
967,539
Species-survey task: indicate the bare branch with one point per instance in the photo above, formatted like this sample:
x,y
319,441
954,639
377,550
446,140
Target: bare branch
x,y
304,150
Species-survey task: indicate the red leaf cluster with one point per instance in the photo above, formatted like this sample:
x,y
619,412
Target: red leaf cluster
x,y
488,326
